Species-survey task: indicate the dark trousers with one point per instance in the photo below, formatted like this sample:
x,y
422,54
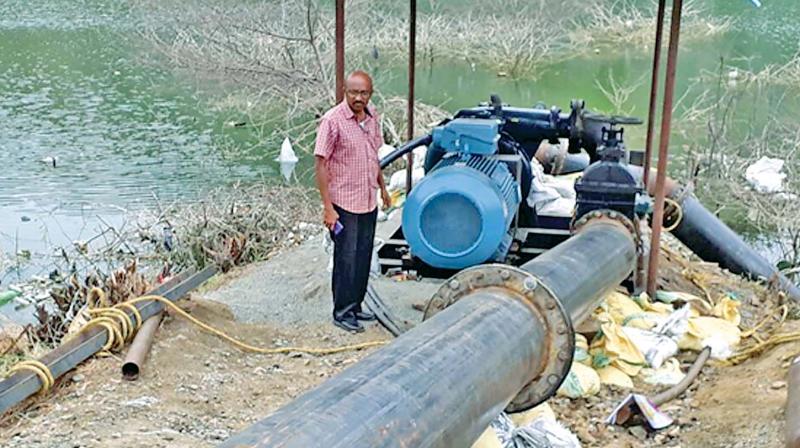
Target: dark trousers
x,y
352,254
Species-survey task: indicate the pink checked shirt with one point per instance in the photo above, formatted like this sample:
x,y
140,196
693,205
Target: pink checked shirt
x,y
350,151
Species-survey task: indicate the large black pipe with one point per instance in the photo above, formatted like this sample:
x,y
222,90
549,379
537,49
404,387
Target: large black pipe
x,y
405,149
441,384
712,240
573,273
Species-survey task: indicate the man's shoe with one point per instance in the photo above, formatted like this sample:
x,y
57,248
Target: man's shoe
x,y
349,323
364,315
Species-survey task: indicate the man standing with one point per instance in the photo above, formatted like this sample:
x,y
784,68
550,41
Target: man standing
x,y
348,173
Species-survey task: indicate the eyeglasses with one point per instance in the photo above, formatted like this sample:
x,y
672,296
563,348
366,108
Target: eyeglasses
x,y
356,93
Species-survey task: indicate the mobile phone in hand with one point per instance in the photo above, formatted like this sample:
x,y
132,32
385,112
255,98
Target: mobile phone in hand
x,y
337,227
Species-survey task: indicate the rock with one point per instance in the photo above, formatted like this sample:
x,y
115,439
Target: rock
x,y
585,436
218,434
169,434
141,402
638,432
674,432
116,435
77,378
777,385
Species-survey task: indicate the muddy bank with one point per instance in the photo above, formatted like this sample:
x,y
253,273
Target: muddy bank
x,y
196,390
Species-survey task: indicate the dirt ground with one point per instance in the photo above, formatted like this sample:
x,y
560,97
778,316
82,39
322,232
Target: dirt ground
x,y
196,390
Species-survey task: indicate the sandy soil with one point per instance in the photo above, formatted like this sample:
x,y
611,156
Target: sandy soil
x,y
195,390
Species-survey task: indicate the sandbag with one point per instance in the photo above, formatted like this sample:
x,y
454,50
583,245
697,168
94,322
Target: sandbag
x,y
719,334
615,377
581,381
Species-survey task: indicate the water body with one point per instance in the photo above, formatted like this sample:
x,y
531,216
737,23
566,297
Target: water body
x,y
73,88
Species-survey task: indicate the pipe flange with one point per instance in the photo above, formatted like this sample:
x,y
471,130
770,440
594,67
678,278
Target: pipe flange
x,y
611,215
556,363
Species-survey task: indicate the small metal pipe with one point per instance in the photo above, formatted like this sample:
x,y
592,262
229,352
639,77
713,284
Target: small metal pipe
x,y
441,383
140,347
663,147
412,55
793,405
67,356
339,51
676,390
651,116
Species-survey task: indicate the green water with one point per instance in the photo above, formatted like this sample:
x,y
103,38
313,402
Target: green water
x,y
73,86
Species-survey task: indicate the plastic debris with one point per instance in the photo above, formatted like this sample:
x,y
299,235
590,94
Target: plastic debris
x,y
765,175
287,159
548,195
543,431
636,404
385,150
398,179
7,296
662,342
327,246
728,309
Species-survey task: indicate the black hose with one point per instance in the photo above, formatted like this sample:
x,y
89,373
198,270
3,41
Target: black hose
x,y
405,149
712,240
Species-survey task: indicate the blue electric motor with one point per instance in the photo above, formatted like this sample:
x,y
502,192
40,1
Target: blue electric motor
x,y
460,214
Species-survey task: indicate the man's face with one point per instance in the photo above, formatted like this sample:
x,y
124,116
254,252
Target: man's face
x,y
358,90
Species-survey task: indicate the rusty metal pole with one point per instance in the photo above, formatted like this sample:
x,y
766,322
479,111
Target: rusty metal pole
x,y
793,405
412,56
651,117
663,147
339,51
140,347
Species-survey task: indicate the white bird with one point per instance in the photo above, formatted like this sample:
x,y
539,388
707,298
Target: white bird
x,y
733,73
50,160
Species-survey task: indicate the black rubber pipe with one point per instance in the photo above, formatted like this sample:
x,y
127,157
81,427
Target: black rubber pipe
x,y
405,149
712,240
442,383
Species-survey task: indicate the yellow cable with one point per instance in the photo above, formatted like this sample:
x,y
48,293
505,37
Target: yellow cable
x,y
251,348
678,211
120,328
774,340
40,369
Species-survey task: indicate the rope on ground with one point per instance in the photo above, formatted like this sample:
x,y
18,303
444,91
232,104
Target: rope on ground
x,y
120,328
772,341
251,348
677,214
37,367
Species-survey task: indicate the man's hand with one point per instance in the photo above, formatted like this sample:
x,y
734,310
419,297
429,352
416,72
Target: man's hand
x,y
330,217
386,199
